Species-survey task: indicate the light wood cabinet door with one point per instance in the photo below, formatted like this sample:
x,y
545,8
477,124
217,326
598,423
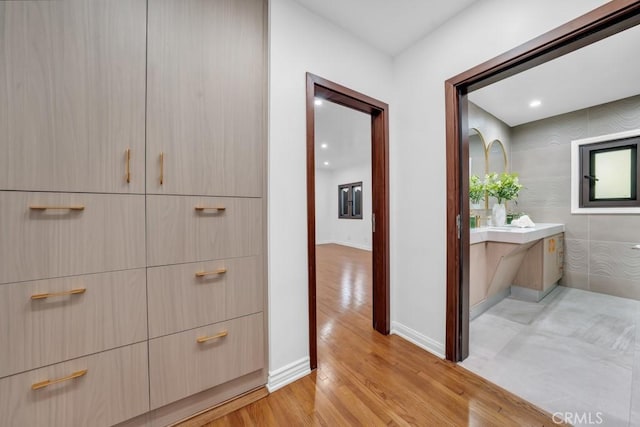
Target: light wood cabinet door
x,y
180,366
179,233
186,296
206,97
49,321
72,95
114,388
106,235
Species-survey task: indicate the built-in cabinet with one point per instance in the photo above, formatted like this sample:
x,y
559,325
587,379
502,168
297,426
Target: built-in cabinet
x,y
72,95
132,235
543,265
205,88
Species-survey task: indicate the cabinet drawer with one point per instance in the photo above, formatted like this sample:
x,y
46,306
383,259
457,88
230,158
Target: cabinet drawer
x,y
187,296
72,84
106,235
180,366
110,312
113,389
179,233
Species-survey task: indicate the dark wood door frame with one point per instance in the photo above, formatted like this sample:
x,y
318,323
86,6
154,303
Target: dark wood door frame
x,y
609,19
379,111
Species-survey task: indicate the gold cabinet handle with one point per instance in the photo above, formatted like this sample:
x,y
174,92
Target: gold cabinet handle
x,y
59,294
212,337
210,208
46,383
128,172
46,207
211,273
161,167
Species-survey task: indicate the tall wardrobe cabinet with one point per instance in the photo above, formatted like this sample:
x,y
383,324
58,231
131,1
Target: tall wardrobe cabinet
x,y
132,209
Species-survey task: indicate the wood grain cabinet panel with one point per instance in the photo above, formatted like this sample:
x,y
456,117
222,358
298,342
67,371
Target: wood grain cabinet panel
x,y
179,366
114,389
179,233
110,312
107,235
72,85
180,300
206,97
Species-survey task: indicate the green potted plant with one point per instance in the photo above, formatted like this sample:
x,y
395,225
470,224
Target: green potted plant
x,y
476,195
503,187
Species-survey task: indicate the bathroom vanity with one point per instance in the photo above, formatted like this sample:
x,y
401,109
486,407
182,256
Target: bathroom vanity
x,y
525,263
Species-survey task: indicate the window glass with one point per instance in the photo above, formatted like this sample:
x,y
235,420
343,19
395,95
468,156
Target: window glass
x,y
357,200
612,170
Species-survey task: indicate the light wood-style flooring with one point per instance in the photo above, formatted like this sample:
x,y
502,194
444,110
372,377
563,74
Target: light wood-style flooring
x,y
367,379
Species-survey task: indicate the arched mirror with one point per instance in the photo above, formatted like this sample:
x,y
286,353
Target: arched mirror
x,y
477,154
496,157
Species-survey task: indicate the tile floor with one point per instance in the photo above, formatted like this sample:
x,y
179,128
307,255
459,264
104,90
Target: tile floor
x,y
574,351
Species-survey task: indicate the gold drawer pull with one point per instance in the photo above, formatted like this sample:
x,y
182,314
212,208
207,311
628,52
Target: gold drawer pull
x,y
210,208
46,383
59,294
161,168
44,208
212,337
128,173
211,273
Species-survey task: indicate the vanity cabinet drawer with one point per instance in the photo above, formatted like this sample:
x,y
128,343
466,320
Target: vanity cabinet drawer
x,y
186,229
49,321
187,296
180,365
47,235
108,388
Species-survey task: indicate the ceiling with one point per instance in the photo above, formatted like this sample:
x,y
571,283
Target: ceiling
x,y
346,133
596,74
390,26
602,72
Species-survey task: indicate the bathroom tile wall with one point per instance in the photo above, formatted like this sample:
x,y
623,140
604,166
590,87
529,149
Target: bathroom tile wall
x,y
598,255
490,126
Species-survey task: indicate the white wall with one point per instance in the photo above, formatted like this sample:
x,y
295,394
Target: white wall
x,y
418,263
331,229
300,41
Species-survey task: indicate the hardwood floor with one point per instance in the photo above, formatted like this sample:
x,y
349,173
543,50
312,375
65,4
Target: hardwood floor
x,y
365,378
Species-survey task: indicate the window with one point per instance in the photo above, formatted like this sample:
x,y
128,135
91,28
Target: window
x,y
350,200
605,174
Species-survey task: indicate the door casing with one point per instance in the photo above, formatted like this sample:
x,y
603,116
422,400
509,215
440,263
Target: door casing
x,y
379,112
609,19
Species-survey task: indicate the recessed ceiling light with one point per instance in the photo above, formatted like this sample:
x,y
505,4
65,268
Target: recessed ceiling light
x,y
535,103
318,101
324,145
326,163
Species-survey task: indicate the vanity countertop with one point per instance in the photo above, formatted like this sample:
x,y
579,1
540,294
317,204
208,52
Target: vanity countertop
x,y
513,234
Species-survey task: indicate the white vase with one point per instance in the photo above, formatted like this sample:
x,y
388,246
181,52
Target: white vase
x,y
499,215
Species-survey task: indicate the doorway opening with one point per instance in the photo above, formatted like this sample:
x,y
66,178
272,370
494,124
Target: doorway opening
x,y
319,88
609,19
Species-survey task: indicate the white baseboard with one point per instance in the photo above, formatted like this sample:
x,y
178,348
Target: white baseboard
x,y
349,244
324,242
415,337
288,374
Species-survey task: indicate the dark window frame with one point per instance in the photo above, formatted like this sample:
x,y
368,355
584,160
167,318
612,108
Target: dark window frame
x,y
350,200
588,176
